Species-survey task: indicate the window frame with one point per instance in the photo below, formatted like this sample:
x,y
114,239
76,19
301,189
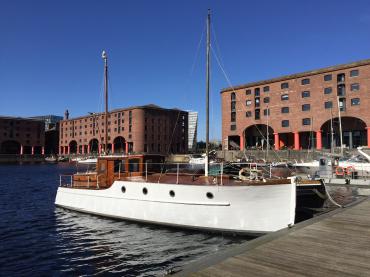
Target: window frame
x,y
285,109
284,85
357,103
356,85
305,81
330,78
352,71
287,95
306,105
306,94
285,121
306,121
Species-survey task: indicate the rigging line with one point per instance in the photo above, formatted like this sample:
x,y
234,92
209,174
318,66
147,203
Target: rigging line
x,y
197,52
217,44
188,83
237,95
169,146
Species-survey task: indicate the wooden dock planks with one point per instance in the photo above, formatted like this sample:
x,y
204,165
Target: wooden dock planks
x,y
334,245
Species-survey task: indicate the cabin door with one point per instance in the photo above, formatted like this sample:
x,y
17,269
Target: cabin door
x,y
102,173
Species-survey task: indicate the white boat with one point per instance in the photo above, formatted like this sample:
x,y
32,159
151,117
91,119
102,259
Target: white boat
x,y
197,159
137,188
180,199
359,163
88,161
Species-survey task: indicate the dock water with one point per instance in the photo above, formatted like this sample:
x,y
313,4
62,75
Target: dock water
x,y
333,244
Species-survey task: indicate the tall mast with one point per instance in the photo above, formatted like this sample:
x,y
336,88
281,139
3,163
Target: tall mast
x,y
207,91
105,58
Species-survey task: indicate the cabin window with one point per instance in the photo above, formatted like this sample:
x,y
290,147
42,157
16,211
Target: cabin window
x,y
123,189
133,165
145,191
119,166
172,193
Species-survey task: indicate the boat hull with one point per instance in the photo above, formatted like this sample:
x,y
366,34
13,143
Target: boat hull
x,y
239,209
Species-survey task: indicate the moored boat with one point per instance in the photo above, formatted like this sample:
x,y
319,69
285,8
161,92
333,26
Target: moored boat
x,y
137,188
142,188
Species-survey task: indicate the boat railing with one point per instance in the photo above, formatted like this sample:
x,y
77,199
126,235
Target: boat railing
x,y
196,170
66,180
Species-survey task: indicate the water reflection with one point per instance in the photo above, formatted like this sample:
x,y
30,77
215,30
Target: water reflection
x,y
104,245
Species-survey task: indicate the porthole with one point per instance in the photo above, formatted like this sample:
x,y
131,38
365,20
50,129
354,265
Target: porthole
x,y
172,193
123,189
209,195
145,190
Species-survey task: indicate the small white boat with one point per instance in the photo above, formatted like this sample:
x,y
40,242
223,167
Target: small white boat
x,y
88,161
359,163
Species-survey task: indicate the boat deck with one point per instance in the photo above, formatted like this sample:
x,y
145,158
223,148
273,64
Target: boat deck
x,y
89,181
334,244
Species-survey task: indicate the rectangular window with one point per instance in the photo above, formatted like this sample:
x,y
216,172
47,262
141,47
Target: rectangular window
x,y
285,123
306,107
257,101
233,96
355,101
285,110
305,94
355,87
232,127
257,92
248,92
285,97
327,77
284,85
257,114
341,77
328,105
266,89
266,100
248,114
305,81
248,102
306,121
353,73
266,112
233,104
233,116
328,90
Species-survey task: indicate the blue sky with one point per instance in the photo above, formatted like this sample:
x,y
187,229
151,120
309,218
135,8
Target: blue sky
x,y
50,51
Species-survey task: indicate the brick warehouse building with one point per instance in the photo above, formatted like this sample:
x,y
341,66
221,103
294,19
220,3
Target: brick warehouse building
x,y
141,129
300,111
21,136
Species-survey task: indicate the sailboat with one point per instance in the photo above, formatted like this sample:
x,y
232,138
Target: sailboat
x,y
138,188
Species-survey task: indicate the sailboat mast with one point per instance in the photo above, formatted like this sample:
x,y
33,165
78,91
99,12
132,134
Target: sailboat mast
x,y
207,91
105,58
340,128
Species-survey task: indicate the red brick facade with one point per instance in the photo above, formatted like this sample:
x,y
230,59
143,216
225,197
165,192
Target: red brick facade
x,y
143,129
301,108
21,136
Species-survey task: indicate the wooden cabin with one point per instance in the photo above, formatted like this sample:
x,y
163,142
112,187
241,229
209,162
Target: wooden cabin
x,y
112,168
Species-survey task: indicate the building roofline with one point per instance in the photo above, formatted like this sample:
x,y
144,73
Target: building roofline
x,y
299,75
149,106
20,118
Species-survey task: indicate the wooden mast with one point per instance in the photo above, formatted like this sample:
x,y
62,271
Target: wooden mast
x,y
105,58
207,91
